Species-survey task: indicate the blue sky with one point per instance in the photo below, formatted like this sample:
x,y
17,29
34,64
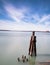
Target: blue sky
x,y
25,15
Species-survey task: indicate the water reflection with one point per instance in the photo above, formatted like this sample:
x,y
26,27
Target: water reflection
x,y
32,60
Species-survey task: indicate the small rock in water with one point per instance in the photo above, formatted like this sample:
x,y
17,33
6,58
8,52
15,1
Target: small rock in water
x,y
23,60
27,59
18,59
22,56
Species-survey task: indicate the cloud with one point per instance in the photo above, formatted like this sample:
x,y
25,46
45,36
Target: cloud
x,y
36,17
15,13
42,19
18,14
21,26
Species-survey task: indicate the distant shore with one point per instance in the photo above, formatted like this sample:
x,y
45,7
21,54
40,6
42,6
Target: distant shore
x,y
23,31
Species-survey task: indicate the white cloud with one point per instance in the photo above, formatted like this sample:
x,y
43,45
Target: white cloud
x,y
44,18
18,24
36,17
21,26
14,13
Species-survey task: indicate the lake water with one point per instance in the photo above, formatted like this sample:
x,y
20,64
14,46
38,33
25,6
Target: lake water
x,y
15,44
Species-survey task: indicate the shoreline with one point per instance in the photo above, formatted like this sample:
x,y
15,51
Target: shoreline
x,y
23,31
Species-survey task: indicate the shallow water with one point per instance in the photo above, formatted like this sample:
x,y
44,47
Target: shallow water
x,y
16,44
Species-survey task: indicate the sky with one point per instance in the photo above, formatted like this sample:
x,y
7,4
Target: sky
x,y
29,15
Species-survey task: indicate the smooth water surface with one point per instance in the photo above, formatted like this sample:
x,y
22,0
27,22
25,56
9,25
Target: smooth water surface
x,y
16,44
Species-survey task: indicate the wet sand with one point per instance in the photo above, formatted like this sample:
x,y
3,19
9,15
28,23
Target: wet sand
x,y
42,63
